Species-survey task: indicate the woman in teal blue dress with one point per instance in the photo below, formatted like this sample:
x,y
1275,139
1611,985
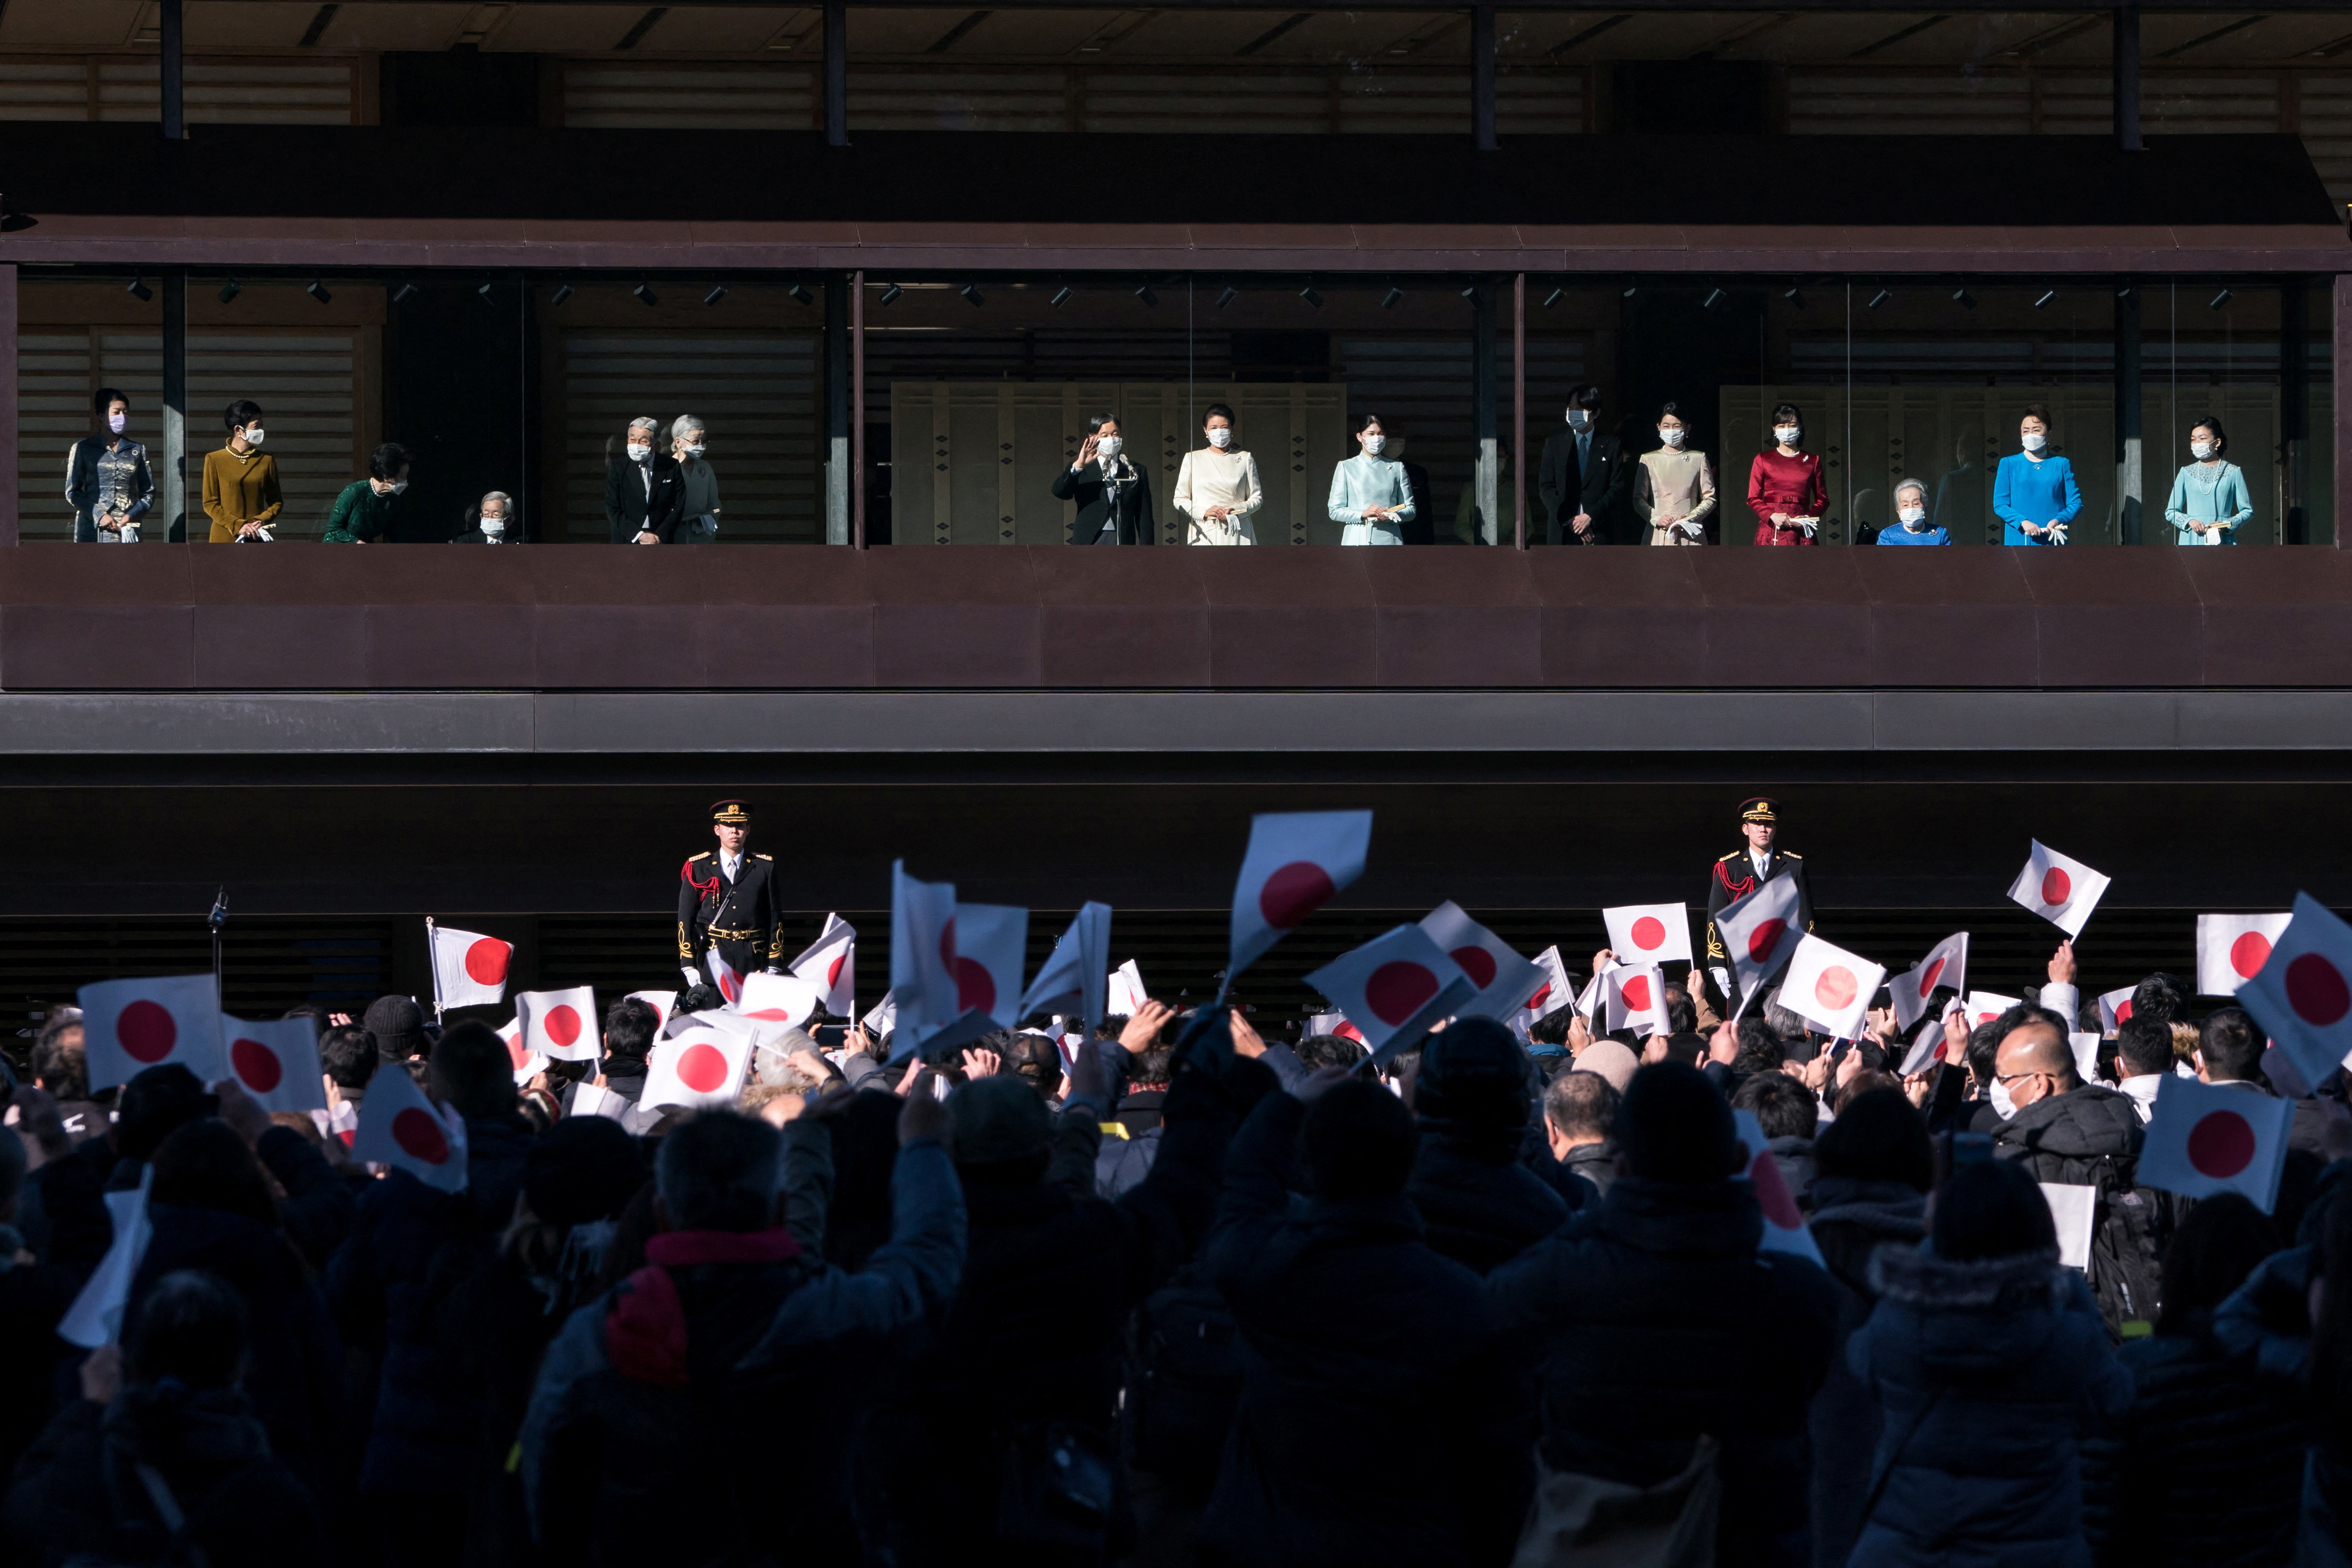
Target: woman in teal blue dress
x,y
2033,491
2208,496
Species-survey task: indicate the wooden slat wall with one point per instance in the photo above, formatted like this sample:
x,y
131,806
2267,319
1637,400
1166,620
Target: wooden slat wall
x,y
315,91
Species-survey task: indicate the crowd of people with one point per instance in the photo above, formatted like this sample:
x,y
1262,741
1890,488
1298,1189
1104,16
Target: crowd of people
x,y
1175,1293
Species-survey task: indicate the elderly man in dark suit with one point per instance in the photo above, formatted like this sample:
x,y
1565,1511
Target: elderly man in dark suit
x,y
643,498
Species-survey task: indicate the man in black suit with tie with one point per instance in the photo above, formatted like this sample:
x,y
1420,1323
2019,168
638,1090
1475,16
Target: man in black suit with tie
x,y
1114,501
643,498
1584,475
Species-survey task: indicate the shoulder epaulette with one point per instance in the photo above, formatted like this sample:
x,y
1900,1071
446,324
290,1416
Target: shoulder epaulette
x,y
1790,855
704,856
763,857
1734,855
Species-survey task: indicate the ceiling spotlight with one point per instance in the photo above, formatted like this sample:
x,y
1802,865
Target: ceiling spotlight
x,y
799,294
2217,301
1795,297
1143,292
1311,297
483,294
317,289
1629,290
1962,297
139,291
970,292
2124,292
716,293
562,292
1469,290
1227,295
1713,297
2044,303
407,292
230,291
1063,296
1880,298
1554,297
1392,299
646,295
890,293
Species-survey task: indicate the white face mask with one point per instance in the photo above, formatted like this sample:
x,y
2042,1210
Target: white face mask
x,y
2200,450
1109,447
1372,445
397,486
694,451
1579,420
253,436
1788,434
1911,514
2003,1103
2034,441
1220,439
494,526
639,451
1674,437
115,422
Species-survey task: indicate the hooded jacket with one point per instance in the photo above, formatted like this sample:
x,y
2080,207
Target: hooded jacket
x,y
1479,1206
1985,1371
2067,1138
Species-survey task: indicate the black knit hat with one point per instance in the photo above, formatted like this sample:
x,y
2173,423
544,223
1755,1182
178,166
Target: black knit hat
x,y
1472,1072
585,1168
398,1025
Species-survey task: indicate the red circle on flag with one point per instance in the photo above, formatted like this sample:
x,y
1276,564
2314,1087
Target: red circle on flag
x,y
2222,1145
833,970
702,1068
562,1024
485,962
1836,986
1293,892
418,1134
257,1066
2122,1009
1772,1195
2249,954
1477,963
2314,989
1537,1000
1398,990
1927,981
2056,885
1764,939
1636,993
145,1031
1649,933
515,1053
975,987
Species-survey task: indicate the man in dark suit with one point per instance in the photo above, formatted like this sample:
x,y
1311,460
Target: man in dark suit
x,y
1114,501
1584,476
643,498
1746,869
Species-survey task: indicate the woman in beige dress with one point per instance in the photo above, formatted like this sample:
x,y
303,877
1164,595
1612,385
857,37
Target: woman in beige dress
x,y
1674,486
1216,487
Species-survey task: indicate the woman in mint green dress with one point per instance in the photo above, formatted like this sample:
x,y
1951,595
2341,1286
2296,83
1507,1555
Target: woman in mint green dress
x,y
2208,496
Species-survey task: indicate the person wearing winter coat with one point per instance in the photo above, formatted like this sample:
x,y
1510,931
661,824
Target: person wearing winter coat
x,y
1474,1097
1580,1126
1789,1114
1645,1311
1986,1356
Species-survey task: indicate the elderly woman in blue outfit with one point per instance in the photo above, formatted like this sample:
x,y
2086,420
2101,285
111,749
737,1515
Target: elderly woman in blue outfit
x,y
1912,526
1369,493
2208,496
2034,493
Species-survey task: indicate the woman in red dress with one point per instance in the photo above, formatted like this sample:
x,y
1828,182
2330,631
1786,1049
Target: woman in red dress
x,y
1784,486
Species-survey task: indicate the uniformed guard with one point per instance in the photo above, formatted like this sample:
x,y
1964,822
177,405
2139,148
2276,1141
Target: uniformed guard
x,y
1743,871
729,898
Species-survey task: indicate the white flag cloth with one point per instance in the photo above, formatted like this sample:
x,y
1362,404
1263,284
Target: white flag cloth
x,y
831,966
129,1026
2115,1006
1634,996
1947,964
1649,933
2072,1210
402,1128
1784,1222
560,1025
882,1018
1126,995
2302,995
1073,978
469,968
528,1065
787,1000
1504,979
991,942
1830,986
701,1066
1984,1007
95,1318
2085,1047
1296,861
1760,933
725,978
1551,993
922,950
1924,1046
276,1062
2232,949
2058,888
1393,987
1334,1023
661,1002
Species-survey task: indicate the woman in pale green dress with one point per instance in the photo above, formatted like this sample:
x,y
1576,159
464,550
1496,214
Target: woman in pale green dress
x,y
2209,495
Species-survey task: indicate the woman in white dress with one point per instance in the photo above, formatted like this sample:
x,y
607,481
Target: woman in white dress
x,y
1217,487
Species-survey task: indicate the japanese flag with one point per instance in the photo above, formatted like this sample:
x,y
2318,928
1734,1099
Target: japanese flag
x,y
2060,889
95,1318
1504,979
1393,988
1296,861
1784,1222
2116,1006
560,1025
784,999
725,978
1924,1046
469,968
1649,933
661,1002
1984,1007
1760,933
831,966
1830,986
883,1018
2232,949
922,951
2302,995
701,1066
276,1062
1947,964
1551,993
990,941
129,1026
2207,1138
1127,993
528,1065
402,1128
1072,980
1634,996
1335,1024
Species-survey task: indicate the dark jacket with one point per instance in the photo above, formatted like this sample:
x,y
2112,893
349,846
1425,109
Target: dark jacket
x,y
78,1490
1478,1205
631,510
33,1300
1086,487
2068,1139
1596,487
1985,1370
1645,1312
2264,1328
1851,1220
1596,1162
1380,1420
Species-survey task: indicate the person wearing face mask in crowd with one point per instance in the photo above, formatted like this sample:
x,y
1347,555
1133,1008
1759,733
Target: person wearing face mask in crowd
x,y
1674,486
1114,502
1583,476
643,498
362,513
698,485
1784,485
2208,496
2033,492
1217,486
108,482
1369,499
1911,525
241,494
493,522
